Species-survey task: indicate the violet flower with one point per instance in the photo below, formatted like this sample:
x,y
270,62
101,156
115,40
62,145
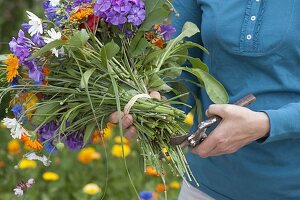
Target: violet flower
x,y
167,31
74,141
34,72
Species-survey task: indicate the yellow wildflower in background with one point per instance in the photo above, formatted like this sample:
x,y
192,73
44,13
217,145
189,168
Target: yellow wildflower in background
x,y
50,176
175,185
118,140
86,155
13,147
30,101
12,63
189,120
27,164
91,189
108,131
117,150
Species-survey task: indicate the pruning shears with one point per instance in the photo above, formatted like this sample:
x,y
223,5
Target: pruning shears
x,y
194,139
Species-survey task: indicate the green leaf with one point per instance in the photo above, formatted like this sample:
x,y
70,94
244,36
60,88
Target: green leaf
x,y
156,16
197,63
153,5
135,41
109,51
140,48
46,48
150,57
85,78
44,111
88,132
214,88
79,39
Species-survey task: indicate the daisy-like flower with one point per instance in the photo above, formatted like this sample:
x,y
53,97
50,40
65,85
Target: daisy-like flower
x,y
54,3
12,63
33,144
16,129
36,24
43,159
53,35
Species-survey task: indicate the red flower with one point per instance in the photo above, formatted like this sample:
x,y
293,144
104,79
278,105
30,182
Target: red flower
x,y
91,22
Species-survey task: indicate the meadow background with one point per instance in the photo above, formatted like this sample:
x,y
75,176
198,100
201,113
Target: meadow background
x,y
71,173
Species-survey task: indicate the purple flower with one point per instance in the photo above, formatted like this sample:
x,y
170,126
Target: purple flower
x,y
74,141
34,72
50,11
48,134
38,40
119,12
17,110
15,81
137,16
167,31
80,2
20,47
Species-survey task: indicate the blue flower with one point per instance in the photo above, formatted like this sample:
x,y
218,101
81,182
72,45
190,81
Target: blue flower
x,y
17,110
74,141
146,195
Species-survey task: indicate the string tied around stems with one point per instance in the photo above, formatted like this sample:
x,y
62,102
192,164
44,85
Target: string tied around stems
x,y
132,101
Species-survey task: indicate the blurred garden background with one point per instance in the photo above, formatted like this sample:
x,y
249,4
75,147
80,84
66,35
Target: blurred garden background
x,y
95,172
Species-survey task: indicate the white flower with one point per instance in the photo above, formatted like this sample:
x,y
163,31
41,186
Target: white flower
x,y
54,3
16,129
36,24
30,182
18,191
54,36
43,159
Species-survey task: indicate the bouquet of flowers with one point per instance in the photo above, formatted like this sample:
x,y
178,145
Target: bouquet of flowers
x,y
66,74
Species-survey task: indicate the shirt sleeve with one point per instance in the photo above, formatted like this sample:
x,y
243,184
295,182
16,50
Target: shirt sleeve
x,y
188,10
284,123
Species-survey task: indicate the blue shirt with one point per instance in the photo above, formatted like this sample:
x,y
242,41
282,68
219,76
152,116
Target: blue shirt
x,y
254,47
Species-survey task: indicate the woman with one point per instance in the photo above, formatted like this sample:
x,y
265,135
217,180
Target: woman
x,y
254,47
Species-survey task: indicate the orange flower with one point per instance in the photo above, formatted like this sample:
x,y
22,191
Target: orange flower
x,y
150,171
161,188
12,63
99,137
13,147
46,70
33,144
81,14
87,155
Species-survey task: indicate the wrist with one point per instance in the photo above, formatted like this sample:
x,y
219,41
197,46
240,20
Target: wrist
x,y
263,124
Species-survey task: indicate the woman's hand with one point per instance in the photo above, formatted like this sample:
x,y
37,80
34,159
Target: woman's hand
x,y
239,127
127,119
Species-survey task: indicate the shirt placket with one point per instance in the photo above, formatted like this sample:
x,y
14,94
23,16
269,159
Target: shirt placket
x,y
249,30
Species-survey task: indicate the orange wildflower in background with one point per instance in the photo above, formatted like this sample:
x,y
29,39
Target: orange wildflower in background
x,y
161,188
81,14
12,63
151,171
87,155
99,137
13,147
33,144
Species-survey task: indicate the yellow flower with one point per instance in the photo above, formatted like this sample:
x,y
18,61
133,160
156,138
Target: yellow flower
x,y
117,150
12,63
81,14
166,153
27,164
50,176
86,155
118,140
108,131
30,101
91,189
189,120
174,185
13,147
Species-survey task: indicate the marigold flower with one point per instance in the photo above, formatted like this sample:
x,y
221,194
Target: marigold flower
x,y
91,189
175,185
27,164
189,119
81,14
151,171
99,137
117,150
50,176
13,147
12,63
108,131
33,144
86,155
161,188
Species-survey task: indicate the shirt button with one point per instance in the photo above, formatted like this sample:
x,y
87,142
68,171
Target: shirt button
x,y
253,18
249,37
257,0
